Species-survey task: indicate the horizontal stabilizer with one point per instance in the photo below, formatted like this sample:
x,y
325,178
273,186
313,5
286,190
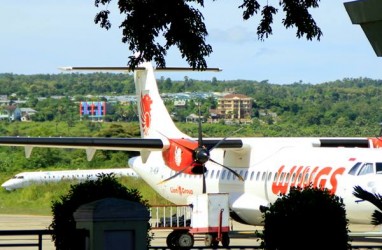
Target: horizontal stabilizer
x,y
129,69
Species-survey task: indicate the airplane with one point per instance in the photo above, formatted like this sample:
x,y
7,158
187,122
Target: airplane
x,y
25,179
254,171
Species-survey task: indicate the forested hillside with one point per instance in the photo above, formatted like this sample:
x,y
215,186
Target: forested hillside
x,y
348,103
348,107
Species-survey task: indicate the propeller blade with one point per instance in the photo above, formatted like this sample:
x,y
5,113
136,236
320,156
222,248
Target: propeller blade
x,y
204,183
229,169
220,142
173,176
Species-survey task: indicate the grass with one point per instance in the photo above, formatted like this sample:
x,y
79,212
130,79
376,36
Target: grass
x,y
37,199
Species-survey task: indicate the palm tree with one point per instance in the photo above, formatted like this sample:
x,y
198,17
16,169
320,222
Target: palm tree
x,y
375,199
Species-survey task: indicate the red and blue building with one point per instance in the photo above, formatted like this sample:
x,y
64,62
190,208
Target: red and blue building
x,y
93,110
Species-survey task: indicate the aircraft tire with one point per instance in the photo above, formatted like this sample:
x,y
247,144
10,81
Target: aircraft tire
x,y
225,240
210,240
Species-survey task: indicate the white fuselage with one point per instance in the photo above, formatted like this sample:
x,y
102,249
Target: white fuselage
x,y
27,178
270,166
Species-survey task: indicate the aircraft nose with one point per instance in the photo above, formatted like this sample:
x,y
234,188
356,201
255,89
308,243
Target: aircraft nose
x,y
9,185
375,187
6,185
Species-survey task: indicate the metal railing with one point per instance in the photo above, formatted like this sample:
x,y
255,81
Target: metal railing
x,y
170,216
36,242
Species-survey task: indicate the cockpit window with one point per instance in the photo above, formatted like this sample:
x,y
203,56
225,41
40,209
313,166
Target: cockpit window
x,y
367,168
378,167
355,168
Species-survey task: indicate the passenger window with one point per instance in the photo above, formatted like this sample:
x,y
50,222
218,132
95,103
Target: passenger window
x,y
252,174
258,176
269,176
287,177
263,177
212,173
223,174
293,177
228,175
282,177
354,169
299,178
245,175
367,168
217,174
275,178
306,178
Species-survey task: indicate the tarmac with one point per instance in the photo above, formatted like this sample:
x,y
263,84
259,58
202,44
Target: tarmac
x,y
240,235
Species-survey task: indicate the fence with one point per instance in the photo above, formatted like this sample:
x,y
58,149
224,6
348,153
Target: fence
x,y
23,242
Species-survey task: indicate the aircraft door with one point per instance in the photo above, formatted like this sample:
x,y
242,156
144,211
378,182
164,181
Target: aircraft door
x,y
267,178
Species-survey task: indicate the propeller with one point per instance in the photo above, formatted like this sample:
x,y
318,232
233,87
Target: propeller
x,y
200,156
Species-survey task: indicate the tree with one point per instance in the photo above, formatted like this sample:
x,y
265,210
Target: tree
x,y
375,199
303,216
181,24
63,225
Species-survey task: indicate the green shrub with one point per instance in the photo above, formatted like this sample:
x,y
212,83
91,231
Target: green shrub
x,y
65,235
306,218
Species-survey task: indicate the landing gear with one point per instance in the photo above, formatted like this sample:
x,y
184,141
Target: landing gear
x,y
211,240
225,240
180,239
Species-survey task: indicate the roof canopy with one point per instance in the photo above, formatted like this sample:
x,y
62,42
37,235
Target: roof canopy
x,y
368,14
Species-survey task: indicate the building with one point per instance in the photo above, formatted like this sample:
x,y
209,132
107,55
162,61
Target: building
x,y
93,110
235,106
194,118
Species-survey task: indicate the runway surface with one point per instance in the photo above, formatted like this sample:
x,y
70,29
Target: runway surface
x,y
241,235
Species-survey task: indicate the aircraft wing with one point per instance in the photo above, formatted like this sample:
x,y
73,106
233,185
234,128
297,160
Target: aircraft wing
x,y
91,144
126,144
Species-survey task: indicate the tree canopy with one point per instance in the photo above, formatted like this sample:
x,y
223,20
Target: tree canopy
x,y
182,25
303,216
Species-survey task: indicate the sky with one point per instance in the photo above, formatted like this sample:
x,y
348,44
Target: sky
x,y
38,37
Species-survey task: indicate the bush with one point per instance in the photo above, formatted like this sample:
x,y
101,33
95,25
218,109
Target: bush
x,y
306,218
65,235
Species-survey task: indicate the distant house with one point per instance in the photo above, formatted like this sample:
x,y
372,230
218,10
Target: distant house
x,y
14,113
11,113
180,103
27,113
214,116
194,118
